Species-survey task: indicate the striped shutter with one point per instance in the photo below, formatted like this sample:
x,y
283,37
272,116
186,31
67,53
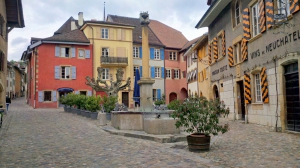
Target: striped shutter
x,y
162,72
141,71
73,52
246,23
54,96
41,96
269,13
247,89
264,85
56,72
152,72
244,50
57,51
294,6
209,53
141,52
158,94
73,72
151,53
215,46
262,16
162,54
87,54
230,57
223,44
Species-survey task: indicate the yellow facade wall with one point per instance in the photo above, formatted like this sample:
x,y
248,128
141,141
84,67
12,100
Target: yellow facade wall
x,y
119,42
203,70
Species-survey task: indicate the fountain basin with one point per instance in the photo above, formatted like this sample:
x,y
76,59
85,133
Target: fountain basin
x,y
134,120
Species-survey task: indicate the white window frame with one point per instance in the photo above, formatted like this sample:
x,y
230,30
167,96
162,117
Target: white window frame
x,y
135,68
255,19
105,51
176,73
281,5
168,73
258,93
45,96
237,17
63,52
173,55
105,74
65,72
104,33
81,51
136,52
157,72
157,54
237,52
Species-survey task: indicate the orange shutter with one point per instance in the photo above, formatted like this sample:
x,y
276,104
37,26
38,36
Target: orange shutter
x,y
209,53
269,13
294,6
215,46
247,89
262,17
244,50
230,57
246,23
264,85
223,44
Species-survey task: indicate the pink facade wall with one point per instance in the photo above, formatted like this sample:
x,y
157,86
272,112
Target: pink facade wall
x,y
175,85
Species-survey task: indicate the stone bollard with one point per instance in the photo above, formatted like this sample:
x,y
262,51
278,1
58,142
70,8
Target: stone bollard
x,y
102,118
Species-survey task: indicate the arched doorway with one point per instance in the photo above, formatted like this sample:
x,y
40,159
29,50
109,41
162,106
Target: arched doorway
x,y
183,94
172,96
64,92
216,92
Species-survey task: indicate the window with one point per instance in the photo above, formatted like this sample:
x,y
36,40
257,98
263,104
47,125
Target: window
x,y
168,73
65,72
2,61
283,7
81,53
156,54
157,72
220,47
64,52
173,56
47,95
255,17
237,53
82,93
134,70
105,74
237,12
105,52
176,74
154,92
257,88
104,32
135,52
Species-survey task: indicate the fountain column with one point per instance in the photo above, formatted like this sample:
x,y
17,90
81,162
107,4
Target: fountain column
x,y
146,82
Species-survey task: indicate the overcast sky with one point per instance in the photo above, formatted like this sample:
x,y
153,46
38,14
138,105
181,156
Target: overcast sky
x,y
43,17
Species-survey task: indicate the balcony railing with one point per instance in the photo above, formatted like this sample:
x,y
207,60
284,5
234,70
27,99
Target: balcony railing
x,y
113,60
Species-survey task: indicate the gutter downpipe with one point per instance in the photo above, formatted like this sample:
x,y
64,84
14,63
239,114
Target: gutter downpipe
x,y
276,97
93,53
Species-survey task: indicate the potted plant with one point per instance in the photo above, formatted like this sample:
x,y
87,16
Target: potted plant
x,y
109,103
79,103
68,101
92,105
200,117
62,100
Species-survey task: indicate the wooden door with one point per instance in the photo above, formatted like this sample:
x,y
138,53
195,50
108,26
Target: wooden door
x,y
125,99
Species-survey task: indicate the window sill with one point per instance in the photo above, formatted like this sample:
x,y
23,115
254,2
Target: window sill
x,y
255,38
219,59
47,102
258,103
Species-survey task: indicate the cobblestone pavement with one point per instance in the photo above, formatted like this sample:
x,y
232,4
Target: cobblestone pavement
x,y
53,138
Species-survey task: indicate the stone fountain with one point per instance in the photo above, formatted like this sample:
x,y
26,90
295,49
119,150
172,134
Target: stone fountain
x,y
146,118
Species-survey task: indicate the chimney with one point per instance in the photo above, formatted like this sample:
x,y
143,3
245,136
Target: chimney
x,y
80,18
73,25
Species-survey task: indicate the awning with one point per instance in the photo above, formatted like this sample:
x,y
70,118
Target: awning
x,y
65,90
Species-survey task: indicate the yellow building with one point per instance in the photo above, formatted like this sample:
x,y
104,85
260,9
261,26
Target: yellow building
x,y
201,48
112,49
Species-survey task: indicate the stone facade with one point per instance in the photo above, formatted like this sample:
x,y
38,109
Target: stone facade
x,y
271,49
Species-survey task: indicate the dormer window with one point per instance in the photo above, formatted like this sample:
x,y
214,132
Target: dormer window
x,y
236,12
